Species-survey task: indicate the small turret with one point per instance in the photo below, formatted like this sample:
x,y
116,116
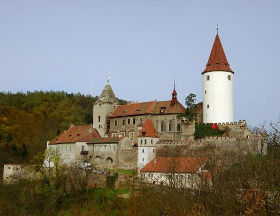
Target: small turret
x,y
147,140
174,95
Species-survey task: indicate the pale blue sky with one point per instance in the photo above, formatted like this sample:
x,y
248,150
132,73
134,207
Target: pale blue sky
x,y
144,45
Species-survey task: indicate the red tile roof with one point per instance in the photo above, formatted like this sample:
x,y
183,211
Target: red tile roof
x,y
150,107
217,60
173,164
83,133
148,129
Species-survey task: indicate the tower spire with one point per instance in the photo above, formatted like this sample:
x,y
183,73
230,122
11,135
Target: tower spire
x,y
217,60
174,94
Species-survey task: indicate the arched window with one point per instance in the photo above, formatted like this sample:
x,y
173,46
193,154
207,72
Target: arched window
x,y
97,159
178,127
162,127
170,124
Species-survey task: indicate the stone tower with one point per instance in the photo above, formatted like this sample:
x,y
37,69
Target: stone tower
x,y
217,87
147,140
102,108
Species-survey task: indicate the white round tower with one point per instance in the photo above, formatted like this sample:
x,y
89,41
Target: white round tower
x,y
217,87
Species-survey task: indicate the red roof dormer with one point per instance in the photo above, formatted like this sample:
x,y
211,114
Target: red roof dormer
x,y
217,60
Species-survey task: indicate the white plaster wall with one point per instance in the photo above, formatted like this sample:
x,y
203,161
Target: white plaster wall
x,y
149,151
186,180
218,94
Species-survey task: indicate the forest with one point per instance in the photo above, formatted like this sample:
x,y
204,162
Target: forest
x,y
28,120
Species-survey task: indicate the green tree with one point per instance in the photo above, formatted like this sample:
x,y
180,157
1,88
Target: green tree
x,y
191,112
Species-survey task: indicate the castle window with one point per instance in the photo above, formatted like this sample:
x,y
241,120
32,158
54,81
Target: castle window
x,y
205,92
134,121
207,77
116,122
141,120
123,122
128,121
151,141
142,150
113,134
170,126
162,127
99,118
142,159
178,127
229,77
141,141
145,141
208,106
153,150
131,135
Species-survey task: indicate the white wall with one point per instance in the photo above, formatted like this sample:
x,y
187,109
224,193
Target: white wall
x,y
149,149
218,94
186,180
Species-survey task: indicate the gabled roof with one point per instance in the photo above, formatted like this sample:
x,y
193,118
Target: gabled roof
x,y
148,129
174,165
217,60
146,108
107,95
83,133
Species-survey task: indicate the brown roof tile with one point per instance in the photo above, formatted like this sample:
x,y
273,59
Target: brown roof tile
x,y
73,134
150,107
217,59
173,164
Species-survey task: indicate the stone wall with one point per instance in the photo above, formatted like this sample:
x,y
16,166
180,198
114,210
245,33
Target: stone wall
x,y
127,154
220,147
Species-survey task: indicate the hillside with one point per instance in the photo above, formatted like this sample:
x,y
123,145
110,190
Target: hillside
x,y
28,120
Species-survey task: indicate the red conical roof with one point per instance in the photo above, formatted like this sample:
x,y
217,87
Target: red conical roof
x,y
217,59
148,129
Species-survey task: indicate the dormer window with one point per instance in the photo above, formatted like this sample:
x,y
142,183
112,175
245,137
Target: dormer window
x,y
162,109
143,133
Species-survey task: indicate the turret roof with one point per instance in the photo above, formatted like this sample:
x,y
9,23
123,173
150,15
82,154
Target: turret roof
x,y
217,60
148,129
107,95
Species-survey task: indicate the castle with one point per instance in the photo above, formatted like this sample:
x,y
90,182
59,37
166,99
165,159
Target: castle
x,y
131,136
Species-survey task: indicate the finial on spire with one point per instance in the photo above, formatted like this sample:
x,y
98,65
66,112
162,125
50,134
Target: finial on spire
x,y
217,29
108,79
174,84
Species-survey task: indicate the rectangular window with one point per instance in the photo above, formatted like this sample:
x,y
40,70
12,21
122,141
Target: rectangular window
x,y
128,121
122,134
229,77
113,134
134,121
131,135
99,118
123,122
208,106
207,77
116,122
